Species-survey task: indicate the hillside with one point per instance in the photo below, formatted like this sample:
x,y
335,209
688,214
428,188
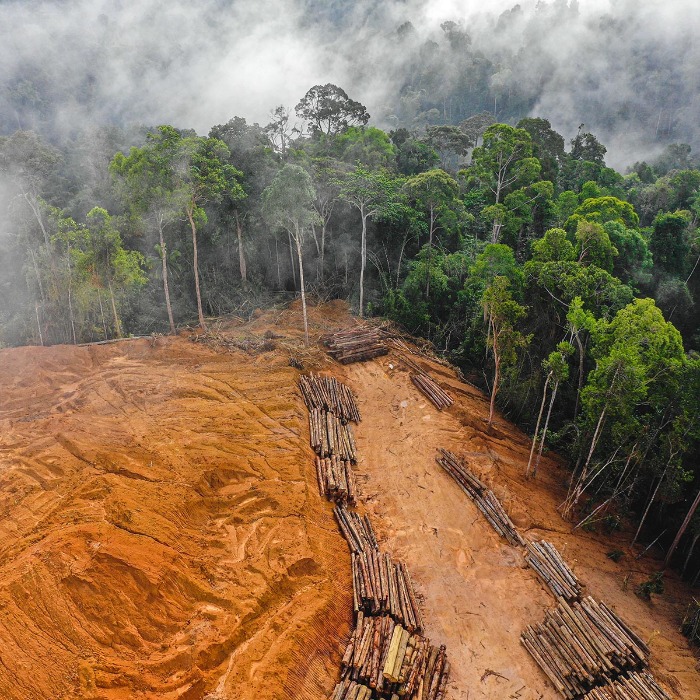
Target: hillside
x,y
162,536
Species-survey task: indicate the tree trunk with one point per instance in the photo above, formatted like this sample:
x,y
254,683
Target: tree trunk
x,y
537,426
682,529
241,253
431,231
70,299
291,257
398,266
102,314
696,536
297,239
323,248
648,507
38,324
363,260
496,374
580,372
115,315
166,286
195,265
544,430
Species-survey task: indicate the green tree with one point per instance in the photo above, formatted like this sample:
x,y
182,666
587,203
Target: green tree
x,y
110,266
556,370
365,145
288,202
503,162
501,314
375,194
586,147
638,354
172,175
594,246
328,110
436,193
553,246
548,145
670,243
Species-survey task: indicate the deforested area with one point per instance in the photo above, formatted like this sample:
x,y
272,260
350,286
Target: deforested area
x,y
349,350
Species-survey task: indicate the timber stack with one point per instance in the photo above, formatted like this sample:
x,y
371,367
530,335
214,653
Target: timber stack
x,y
382,587
484,499
633,686
330,436
386,657
432,390
356,529
392,662
583,646
328,394
549,565
336,480
356,345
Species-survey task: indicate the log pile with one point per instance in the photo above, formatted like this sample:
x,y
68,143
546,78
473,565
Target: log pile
x,y
393,662
584,645
356,345
544,558
634,686
356,529
483,497
330,436
336,480
386,658
432,390
349,690
382,587
328,394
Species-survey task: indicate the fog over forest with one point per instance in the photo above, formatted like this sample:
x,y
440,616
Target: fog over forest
x,y
628,69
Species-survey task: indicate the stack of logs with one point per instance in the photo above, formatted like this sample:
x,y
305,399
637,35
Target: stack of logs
x,y
356,529
432,390
386,657
328,394
634,686
331,436
349,690
483,497
544,558
336,480
584,645
382,587
394,663
356,345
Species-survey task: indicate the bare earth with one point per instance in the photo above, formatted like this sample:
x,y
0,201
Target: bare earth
x,y
161,535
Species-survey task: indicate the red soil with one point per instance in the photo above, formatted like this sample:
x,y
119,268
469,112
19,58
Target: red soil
x,y
161,535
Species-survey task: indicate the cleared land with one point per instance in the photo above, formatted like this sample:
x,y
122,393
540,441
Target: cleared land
x,y
162,536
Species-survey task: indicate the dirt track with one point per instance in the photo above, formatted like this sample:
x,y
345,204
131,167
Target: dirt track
x,y
161,535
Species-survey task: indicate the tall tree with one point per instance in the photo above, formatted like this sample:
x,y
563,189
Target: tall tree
x,y
436,193
373,194
110,265
503,162
288,202
172,175
501,314
328,110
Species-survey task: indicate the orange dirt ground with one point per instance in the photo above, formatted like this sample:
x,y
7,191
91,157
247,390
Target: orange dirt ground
x,y
161,533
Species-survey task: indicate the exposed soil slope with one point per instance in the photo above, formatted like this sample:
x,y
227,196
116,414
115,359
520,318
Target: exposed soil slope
x,y
161,534
158,534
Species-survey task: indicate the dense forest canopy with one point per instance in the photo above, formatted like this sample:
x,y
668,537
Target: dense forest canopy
x,y
458,180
